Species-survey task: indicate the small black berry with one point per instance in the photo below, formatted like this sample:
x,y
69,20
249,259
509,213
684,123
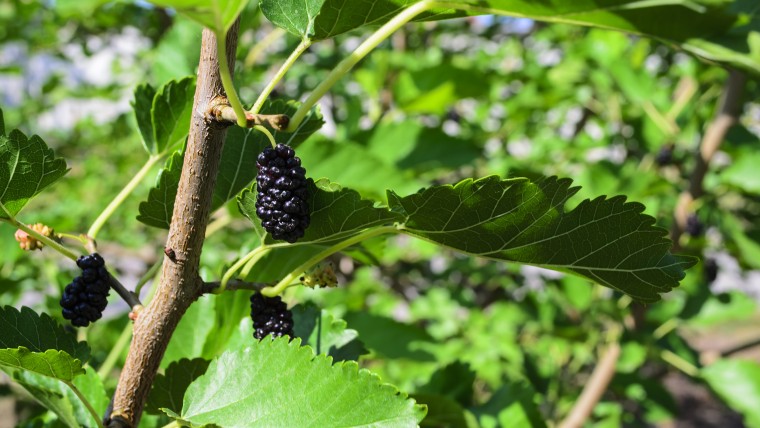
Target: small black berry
x,y
85,298
694,226
664,156
270,316
281,201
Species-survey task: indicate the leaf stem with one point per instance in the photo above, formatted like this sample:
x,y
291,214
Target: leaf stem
x,y
295,273
38,236
122,196
226,78
257,253
258,49
301,48
108,364
86,403
680,363
151,273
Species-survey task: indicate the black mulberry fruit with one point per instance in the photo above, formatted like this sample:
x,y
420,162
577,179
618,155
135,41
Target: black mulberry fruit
x,y
85,298
281,201
664,156
270,316
694,226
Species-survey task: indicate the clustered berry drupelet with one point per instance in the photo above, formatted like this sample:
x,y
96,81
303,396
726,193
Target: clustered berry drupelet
x,y
281,201
270,316
694,226
85,298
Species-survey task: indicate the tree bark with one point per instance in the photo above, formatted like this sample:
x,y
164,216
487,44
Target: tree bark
x,y
180,282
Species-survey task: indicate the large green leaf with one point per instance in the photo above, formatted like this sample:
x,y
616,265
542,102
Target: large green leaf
x,y
27,167
737,382
606,239
280,383
322,19
37,333
169,388
217,15
191,333
236,170
337,213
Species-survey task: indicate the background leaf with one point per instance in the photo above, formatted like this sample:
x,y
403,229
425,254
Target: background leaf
x,y
325,334
27,167
51,363
169,388
142,105
608,241
737,382
276,382
171,112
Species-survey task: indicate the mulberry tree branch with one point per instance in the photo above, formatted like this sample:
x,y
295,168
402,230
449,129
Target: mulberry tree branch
x,y
726,116
180,283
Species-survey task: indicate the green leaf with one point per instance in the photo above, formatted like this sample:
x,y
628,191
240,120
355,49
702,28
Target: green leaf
x,y
442,411
323,19
169,388
325,334
61,399
276,382
157,210
143,106
454,381
605,240
218,15
742,173
170,114
191,333
237,168
37,333
337,213
27,167
51,363
512,405
737,382
390,338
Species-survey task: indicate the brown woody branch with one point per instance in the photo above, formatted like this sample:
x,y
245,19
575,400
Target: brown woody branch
x,y
594,389
725,118
222,112
180,283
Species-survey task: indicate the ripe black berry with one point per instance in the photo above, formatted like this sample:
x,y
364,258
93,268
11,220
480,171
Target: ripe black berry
x,y
281,201
86,296
710,270
664,156
270,316
694,226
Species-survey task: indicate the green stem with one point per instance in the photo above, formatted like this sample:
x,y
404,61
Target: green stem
x,y
122,196
679,363
226,76
113,356
38,236
357,55
86,402
267,133
257,51
295,273
257,252
301,48
173,424
147,276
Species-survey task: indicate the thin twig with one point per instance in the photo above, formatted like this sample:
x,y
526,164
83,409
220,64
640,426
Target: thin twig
x,y
595,387
125,294
225,113
726,116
